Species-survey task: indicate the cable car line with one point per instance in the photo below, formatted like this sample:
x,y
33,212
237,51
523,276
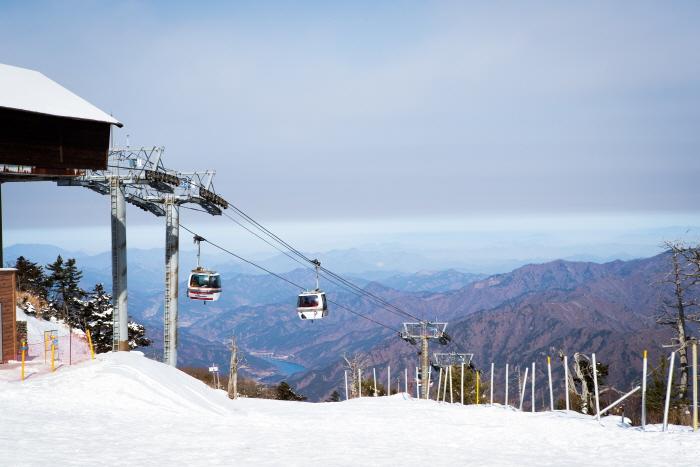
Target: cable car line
x,y
287,280
353,288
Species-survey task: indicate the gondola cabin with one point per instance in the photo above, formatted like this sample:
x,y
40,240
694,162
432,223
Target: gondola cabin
x,y
312,305
204,285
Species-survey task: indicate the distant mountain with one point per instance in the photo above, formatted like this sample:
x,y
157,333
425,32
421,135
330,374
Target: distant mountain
x,y
431,281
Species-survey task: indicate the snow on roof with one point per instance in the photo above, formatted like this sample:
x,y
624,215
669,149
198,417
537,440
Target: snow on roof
x,y
31,91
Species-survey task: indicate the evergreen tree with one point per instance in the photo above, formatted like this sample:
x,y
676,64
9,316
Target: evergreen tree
x,y
334,397
65,294
286,393
96,314
31,278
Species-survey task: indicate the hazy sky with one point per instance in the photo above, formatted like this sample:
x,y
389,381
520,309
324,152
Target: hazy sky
x,y
367,112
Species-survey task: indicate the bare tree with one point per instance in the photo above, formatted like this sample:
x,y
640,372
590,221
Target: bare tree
x,y
677,310
354,363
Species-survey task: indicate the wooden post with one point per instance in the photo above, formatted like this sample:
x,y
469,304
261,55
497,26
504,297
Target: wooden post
x,y
53,353
549,374
644,390
477,387
491,389
595,386
668,390
566,380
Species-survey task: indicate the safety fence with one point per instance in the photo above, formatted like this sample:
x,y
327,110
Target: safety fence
x,y
53,351
467,385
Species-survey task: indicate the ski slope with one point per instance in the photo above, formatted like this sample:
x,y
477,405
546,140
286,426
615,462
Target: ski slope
x,y
124,409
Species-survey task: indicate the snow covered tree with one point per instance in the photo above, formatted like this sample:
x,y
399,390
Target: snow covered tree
x,y
96,314
286,393
353,364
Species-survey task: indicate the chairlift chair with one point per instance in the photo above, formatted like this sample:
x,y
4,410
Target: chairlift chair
x,y
203,284
312,304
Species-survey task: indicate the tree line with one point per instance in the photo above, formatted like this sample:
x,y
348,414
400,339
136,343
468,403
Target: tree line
x,y
53,292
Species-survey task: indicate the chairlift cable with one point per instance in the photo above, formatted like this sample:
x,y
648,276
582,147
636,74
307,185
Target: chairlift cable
x,y
287,280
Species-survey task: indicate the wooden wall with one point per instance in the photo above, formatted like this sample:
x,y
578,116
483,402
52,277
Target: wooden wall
x,y
32,139
9,314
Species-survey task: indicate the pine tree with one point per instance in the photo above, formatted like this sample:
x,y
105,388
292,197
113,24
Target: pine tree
x,y
334,397
31,278
286,393
65,294
96,314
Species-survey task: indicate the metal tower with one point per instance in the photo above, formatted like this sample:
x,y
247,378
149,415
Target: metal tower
x,y
425,331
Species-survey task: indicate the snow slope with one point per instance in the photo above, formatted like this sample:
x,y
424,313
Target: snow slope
x,y
123,409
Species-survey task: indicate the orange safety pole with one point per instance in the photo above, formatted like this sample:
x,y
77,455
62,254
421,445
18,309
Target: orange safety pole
x,y
24,350
92,349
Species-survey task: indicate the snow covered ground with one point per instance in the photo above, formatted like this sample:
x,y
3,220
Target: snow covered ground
x,y
124,409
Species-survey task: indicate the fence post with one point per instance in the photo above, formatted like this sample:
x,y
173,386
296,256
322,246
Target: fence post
x,y
595,385
566,381
695,386
374,374
461,385
644,390
53,353
506,401
549,374
668,390
451,393
427,388
347,395
24,350
478,380
491,398
522,391
532,377
359,383
417,385
437,398
388,380
92,349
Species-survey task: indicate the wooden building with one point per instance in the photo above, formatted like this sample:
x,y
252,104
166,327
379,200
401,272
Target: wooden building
x,y
8,315
46,133
46,130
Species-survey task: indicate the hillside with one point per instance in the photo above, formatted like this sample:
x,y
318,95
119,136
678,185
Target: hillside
x,y
123,409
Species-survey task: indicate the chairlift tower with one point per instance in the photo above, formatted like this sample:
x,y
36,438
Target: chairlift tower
x,y
425,330
137,176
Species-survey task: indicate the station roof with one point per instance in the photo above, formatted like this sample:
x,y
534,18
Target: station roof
x,y
31,91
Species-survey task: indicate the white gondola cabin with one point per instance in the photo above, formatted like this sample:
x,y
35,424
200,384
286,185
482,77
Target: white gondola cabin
x,y
204,285
312,305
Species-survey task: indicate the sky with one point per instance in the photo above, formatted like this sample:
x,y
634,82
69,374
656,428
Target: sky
x,y
424,124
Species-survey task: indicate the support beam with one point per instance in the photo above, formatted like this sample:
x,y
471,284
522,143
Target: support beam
x,y
172,271
120,338
425,365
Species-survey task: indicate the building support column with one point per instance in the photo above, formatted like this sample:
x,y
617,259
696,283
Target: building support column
x,y
172,267
120,337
